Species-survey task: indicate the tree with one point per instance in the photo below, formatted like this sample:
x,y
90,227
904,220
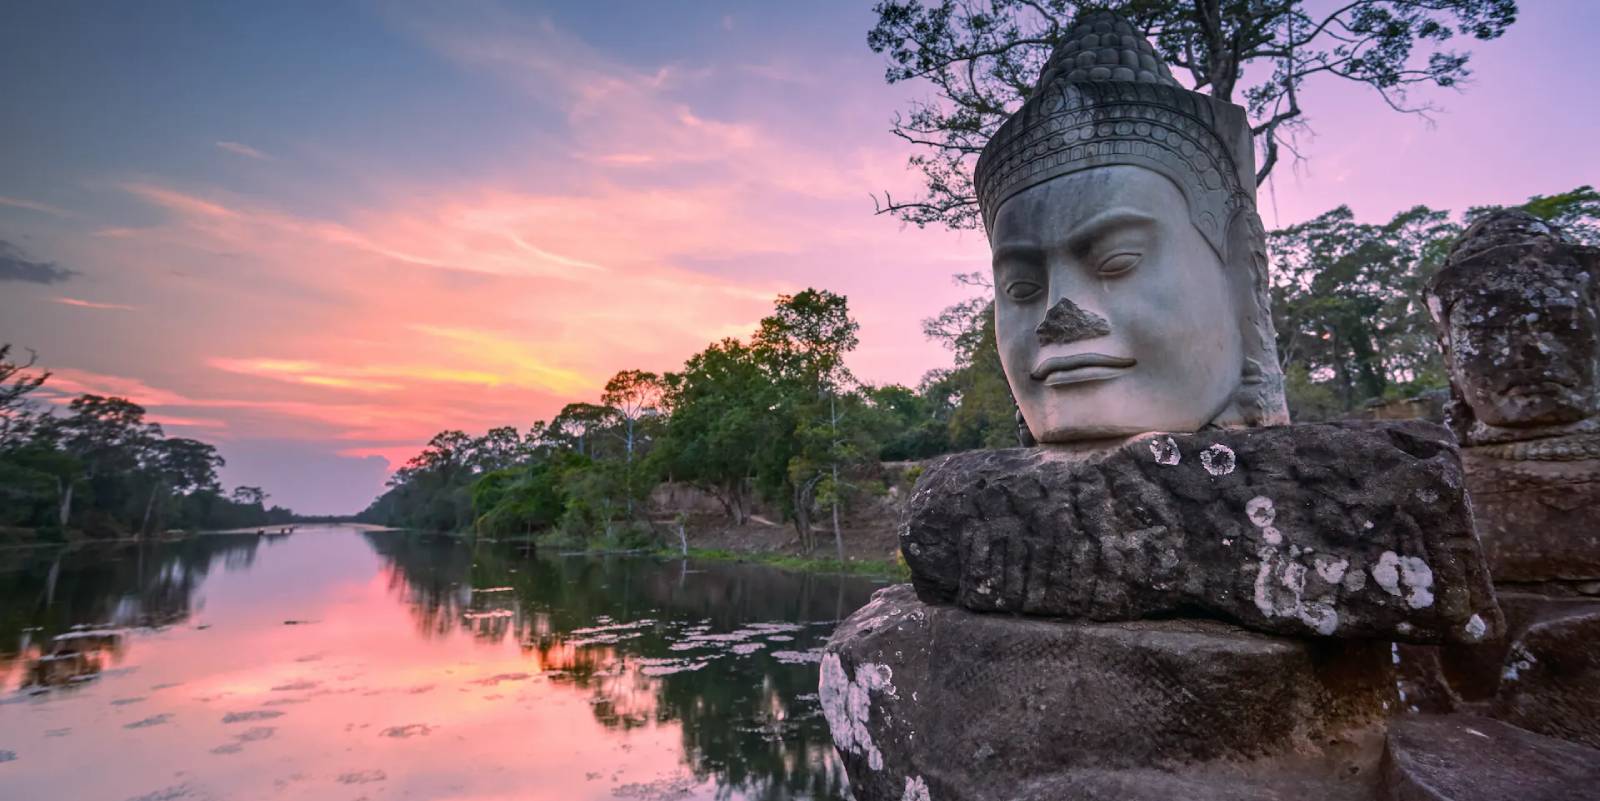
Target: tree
x,y
632,395
249,496
109,439
974,396
722,406
577,425
498,449
182,466
802,346
1348,300
982,58
16,383
805,339
1577,212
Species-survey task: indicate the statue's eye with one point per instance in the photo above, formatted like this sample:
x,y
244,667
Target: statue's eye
x,y
1119,263
1022,290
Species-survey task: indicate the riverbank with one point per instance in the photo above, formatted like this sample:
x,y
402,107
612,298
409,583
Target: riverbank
x,y
869,551
895,569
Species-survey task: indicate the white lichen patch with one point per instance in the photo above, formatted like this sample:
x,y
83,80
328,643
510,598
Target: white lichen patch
x,y
1405,575
1387,573
1272,536
1260,511
1475,628
1280,590
1519,660
847,704
1321,617
916,790
1330,569
1354,581
1165,451
1218,460
1418,578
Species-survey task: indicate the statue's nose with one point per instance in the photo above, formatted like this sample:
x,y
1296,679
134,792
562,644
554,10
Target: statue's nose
x,y
1067,322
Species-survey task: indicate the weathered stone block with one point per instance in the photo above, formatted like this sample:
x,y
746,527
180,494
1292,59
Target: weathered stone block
x,y
1551,680
1539,519
939,699
1466,758
1346,530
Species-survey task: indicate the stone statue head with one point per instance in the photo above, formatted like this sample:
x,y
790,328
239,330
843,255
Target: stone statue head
x,y
1515,307
1129,263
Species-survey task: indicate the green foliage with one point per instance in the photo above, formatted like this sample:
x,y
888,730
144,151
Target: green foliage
x,y
1577,212
860,567
973,399
779,419
524,499
1348,301
981,58
103,470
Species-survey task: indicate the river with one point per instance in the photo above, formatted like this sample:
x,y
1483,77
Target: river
x,y
341,663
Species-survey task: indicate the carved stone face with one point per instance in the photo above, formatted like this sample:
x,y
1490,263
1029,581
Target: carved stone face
x,y
1523,349
1112,313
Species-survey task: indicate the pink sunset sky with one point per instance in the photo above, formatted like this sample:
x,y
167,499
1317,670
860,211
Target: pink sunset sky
x,y
315,236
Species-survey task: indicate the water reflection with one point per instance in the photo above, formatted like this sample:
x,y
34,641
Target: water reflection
x,y
727,651
62,610
355,658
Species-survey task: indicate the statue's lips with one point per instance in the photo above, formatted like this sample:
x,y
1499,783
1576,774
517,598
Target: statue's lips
x,y
1058,370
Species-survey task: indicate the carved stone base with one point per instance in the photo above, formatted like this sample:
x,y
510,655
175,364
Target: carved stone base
x,y
1543,676
974,706
1332,530
1538,520
1465,758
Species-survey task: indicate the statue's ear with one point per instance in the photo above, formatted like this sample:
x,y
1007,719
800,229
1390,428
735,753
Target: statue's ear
x,y
1024,436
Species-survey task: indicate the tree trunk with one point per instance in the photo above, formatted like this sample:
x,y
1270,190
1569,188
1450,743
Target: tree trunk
x,y
732,500
149,506
838,538
804,493
64,488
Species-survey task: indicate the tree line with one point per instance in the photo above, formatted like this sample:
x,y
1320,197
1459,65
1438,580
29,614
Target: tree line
x,y
776,419
100,468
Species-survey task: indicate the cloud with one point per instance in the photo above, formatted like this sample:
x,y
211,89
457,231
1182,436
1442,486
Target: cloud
x,y
244,150
43,208
15,266
89,304
181,202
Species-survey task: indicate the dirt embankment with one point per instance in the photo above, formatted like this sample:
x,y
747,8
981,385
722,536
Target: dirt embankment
x,y
867,524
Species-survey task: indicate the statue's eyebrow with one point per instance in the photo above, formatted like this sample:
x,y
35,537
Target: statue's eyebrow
x,y
1104,223
1018,251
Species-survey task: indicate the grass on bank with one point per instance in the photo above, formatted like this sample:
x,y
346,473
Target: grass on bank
x,y
856,567
556,539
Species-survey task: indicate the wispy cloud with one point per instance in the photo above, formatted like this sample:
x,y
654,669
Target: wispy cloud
x,y
175,200
245,150
16,266
42,208
89,304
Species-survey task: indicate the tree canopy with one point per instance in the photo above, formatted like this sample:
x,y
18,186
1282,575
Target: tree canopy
x,y
99,467
981,58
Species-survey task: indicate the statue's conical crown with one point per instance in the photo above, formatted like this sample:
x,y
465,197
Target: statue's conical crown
x,y
1105,98
1101,46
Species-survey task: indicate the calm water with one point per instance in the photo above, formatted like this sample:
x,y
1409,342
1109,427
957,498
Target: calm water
x,y
344,664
